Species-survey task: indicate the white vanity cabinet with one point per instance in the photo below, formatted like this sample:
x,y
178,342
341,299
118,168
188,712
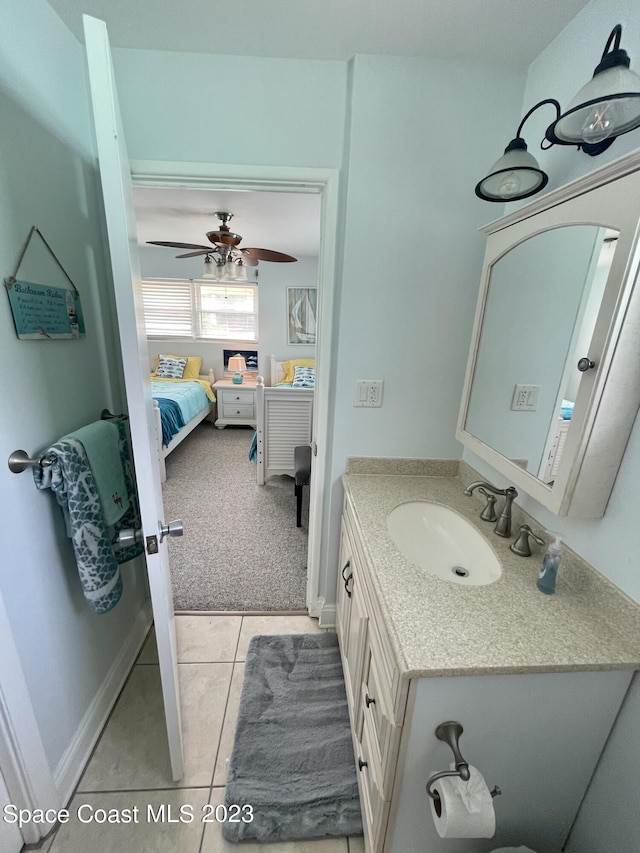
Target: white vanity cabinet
x,y
538,736
376,696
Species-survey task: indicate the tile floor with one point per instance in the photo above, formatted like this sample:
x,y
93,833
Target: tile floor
x,y
130,766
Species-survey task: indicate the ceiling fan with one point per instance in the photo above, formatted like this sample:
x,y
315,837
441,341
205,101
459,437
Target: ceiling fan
x,y
224,259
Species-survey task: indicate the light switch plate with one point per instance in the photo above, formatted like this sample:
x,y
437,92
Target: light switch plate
x,y
368,393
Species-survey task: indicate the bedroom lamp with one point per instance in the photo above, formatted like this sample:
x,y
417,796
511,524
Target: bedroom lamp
x,y
606,107
517,173
238,365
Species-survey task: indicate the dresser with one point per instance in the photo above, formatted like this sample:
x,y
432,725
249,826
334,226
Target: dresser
x,y
236,403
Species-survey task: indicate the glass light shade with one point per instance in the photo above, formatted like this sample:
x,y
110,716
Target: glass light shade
x,y
210,268
237,364
241,272
229,271
515,175
608,106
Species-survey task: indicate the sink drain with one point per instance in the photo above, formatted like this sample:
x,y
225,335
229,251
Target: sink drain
x,y
460,571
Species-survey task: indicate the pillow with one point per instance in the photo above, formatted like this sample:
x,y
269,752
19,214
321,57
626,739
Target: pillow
x,y
290,366
170,367
191,371
304,377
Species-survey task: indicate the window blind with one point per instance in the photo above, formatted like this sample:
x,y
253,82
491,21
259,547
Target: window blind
x,y
200,309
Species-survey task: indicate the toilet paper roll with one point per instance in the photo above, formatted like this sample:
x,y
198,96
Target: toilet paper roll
x,y
466,808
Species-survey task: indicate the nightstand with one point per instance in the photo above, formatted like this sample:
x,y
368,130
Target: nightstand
x,y
236,403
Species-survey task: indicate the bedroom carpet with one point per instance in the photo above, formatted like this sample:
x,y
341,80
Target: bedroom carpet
x,y
292,757
241,549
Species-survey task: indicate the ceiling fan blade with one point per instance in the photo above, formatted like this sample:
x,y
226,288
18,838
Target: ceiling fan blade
x,y
194,254
177,245
269,255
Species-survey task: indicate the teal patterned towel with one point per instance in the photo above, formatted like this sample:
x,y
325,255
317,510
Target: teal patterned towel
x,y
73,483
101,443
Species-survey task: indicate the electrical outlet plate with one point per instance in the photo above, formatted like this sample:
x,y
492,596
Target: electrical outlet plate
x,y
525,398
368,393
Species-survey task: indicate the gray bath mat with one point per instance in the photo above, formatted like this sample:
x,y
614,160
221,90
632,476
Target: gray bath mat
x,y
292,758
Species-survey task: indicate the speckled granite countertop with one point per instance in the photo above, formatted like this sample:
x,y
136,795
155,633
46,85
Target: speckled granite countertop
x,y
443,629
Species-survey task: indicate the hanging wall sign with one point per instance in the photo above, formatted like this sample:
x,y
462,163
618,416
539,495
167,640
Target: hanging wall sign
x,y
41,311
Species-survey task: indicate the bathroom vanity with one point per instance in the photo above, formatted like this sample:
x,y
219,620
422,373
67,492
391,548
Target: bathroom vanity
x,y
536,681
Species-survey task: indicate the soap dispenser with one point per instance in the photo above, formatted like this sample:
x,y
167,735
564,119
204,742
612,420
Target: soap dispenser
x,y
549,570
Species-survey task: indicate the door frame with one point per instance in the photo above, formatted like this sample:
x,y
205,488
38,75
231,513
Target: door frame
x,y
163,173
23,760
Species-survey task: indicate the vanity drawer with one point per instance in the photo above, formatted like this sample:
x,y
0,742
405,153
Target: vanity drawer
x,y
233,397
238,410
387,672
375,808
377,718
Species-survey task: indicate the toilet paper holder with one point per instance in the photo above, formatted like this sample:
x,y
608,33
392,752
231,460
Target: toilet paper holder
x,y
449,733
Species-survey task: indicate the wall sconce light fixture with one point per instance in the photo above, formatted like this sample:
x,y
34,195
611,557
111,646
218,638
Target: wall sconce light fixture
x,y
517,173
607,107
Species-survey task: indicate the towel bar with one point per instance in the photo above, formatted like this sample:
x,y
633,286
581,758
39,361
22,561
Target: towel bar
x,y
19,461
106,415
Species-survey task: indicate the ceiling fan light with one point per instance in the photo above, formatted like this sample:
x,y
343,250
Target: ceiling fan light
x,y
513,176
210,269
241,272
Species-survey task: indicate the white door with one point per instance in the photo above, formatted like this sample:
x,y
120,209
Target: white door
x,y
119,211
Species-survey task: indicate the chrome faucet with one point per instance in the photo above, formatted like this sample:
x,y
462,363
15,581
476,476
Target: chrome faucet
x,y
503,524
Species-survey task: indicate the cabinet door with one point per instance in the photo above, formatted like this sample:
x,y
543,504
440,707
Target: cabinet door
x,y
356,642
343,596
352,619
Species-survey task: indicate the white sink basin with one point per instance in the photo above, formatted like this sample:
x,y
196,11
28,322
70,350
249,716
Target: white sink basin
x,y
441,542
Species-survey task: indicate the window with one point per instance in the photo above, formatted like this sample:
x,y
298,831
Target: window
x,y
200,309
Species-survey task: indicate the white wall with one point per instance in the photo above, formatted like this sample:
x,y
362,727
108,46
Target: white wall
x,y
412,253
48,178
272,295
270,111
608,819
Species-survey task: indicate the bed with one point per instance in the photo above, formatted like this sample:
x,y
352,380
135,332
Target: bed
x,y
285,421
179,405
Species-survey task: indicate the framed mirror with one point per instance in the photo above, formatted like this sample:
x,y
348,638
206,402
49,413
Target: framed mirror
x,y
549,399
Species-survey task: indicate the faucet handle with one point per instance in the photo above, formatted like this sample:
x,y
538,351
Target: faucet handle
x,y
521,546
489,512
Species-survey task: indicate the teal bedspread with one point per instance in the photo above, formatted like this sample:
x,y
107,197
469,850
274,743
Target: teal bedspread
x,y
188,397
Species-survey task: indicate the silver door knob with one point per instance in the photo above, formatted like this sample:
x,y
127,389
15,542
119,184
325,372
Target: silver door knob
x,y
129,536
585,364
174,528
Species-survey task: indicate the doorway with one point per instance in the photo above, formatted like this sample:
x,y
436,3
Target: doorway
x,y
323,184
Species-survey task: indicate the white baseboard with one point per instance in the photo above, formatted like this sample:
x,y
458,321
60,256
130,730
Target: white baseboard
x,y
75,757
327,618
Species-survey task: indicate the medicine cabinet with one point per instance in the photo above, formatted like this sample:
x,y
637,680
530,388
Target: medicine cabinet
x,y
553,377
